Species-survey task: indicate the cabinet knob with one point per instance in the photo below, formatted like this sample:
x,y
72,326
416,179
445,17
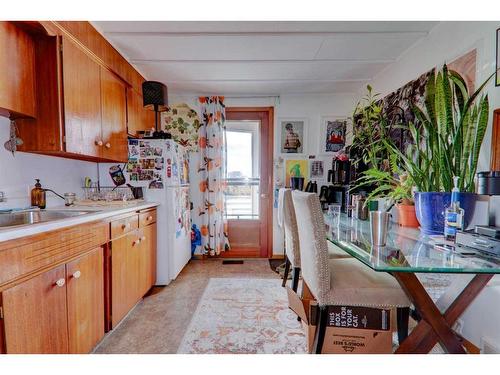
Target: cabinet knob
x,y
136,242
125,226
107,145
149,218
98,143
77,274
60,282
143,238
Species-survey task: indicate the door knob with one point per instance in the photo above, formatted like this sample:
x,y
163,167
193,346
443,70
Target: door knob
x,y
60,282
77,274
98,143
107,145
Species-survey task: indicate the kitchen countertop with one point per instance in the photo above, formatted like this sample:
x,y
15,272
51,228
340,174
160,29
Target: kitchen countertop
x,y
97,213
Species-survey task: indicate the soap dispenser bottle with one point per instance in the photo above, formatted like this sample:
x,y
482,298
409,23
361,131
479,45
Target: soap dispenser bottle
x,y
38,195
454,214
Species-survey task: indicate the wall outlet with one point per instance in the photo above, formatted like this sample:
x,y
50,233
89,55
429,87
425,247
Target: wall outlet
x,y
458,327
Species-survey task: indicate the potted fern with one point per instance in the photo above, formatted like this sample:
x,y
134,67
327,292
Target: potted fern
x,y
452,125
394,185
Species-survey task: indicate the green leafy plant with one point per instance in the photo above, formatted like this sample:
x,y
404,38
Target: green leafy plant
x,y
393,184
451,129
369,130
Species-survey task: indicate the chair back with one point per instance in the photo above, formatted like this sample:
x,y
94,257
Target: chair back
x,y
312,240
288,221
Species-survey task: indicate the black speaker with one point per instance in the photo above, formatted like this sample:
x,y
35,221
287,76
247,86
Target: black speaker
x,y
154,96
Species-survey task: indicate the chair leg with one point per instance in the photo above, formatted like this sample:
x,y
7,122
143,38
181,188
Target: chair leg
x,y
403,316
285,273
319,335
295,278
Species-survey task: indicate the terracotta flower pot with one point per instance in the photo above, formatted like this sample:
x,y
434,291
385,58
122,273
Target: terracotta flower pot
x,y
407,216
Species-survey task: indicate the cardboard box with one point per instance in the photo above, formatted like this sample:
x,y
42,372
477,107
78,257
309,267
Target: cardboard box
x,y
351,329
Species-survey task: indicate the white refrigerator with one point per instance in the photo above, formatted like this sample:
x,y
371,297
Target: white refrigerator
x,y
161,167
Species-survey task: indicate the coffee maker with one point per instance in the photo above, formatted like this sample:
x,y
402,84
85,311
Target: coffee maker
x,y
339,178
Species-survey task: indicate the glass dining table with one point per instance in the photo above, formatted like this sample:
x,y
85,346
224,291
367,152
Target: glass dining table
x,y
408,253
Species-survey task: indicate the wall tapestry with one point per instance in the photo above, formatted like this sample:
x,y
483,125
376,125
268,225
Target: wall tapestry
x,y
183,123
397,105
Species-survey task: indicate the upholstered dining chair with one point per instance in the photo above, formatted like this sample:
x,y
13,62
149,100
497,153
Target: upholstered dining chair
x,y
288,222
342,281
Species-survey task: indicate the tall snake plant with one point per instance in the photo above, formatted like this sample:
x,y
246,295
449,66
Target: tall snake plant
x,y
453,124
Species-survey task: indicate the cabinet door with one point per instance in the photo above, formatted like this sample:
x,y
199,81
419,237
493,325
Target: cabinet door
x,y
17,72
147,261
138,118
85,289
35,314
124,270
82,101
114,117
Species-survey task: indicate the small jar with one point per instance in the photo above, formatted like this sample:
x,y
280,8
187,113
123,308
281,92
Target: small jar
x,y
69,198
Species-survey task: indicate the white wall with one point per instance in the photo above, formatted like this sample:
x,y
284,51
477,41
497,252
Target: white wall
x,y
311,107
18,173
446,42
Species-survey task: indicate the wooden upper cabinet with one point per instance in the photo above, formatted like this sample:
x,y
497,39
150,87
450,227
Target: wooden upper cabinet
x,y
138,118
85,290
17,72
35,317
114,117
82,101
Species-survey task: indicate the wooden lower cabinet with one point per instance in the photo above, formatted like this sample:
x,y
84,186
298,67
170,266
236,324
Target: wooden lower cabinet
x,y
35,315
59,311
146,276
124,269
133,270
85,295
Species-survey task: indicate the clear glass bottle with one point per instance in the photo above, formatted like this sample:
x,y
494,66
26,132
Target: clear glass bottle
x,y
453,215
38,195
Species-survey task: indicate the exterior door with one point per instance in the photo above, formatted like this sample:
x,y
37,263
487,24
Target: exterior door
x,y
249,141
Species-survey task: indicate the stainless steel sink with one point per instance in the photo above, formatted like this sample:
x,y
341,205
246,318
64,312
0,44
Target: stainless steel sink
x,y
28,217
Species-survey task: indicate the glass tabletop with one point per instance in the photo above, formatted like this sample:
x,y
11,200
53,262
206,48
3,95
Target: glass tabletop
x,y
407,250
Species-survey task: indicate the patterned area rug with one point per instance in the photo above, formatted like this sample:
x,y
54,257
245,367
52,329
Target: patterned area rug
x,y
243,316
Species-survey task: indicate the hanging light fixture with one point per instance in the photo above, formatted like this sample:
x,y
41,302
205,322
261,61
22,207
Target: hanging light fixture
x,y
155,98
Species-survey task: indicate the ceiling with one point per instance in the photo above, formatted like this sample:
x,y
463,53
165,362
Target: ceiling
x,y
262,58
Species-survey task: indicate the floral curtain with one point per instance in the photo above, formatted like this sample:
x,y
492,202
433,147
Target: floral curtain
x,y
211,173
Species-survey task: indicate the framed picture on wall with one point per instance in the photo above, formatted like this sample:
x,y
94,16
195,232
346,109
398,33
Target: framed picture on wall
x,y
293,136
316,169
497,77
333,134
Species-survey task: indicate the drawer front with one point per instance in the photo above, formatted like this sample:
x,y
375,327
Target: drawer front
x,y
123,226
146,218
27,255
